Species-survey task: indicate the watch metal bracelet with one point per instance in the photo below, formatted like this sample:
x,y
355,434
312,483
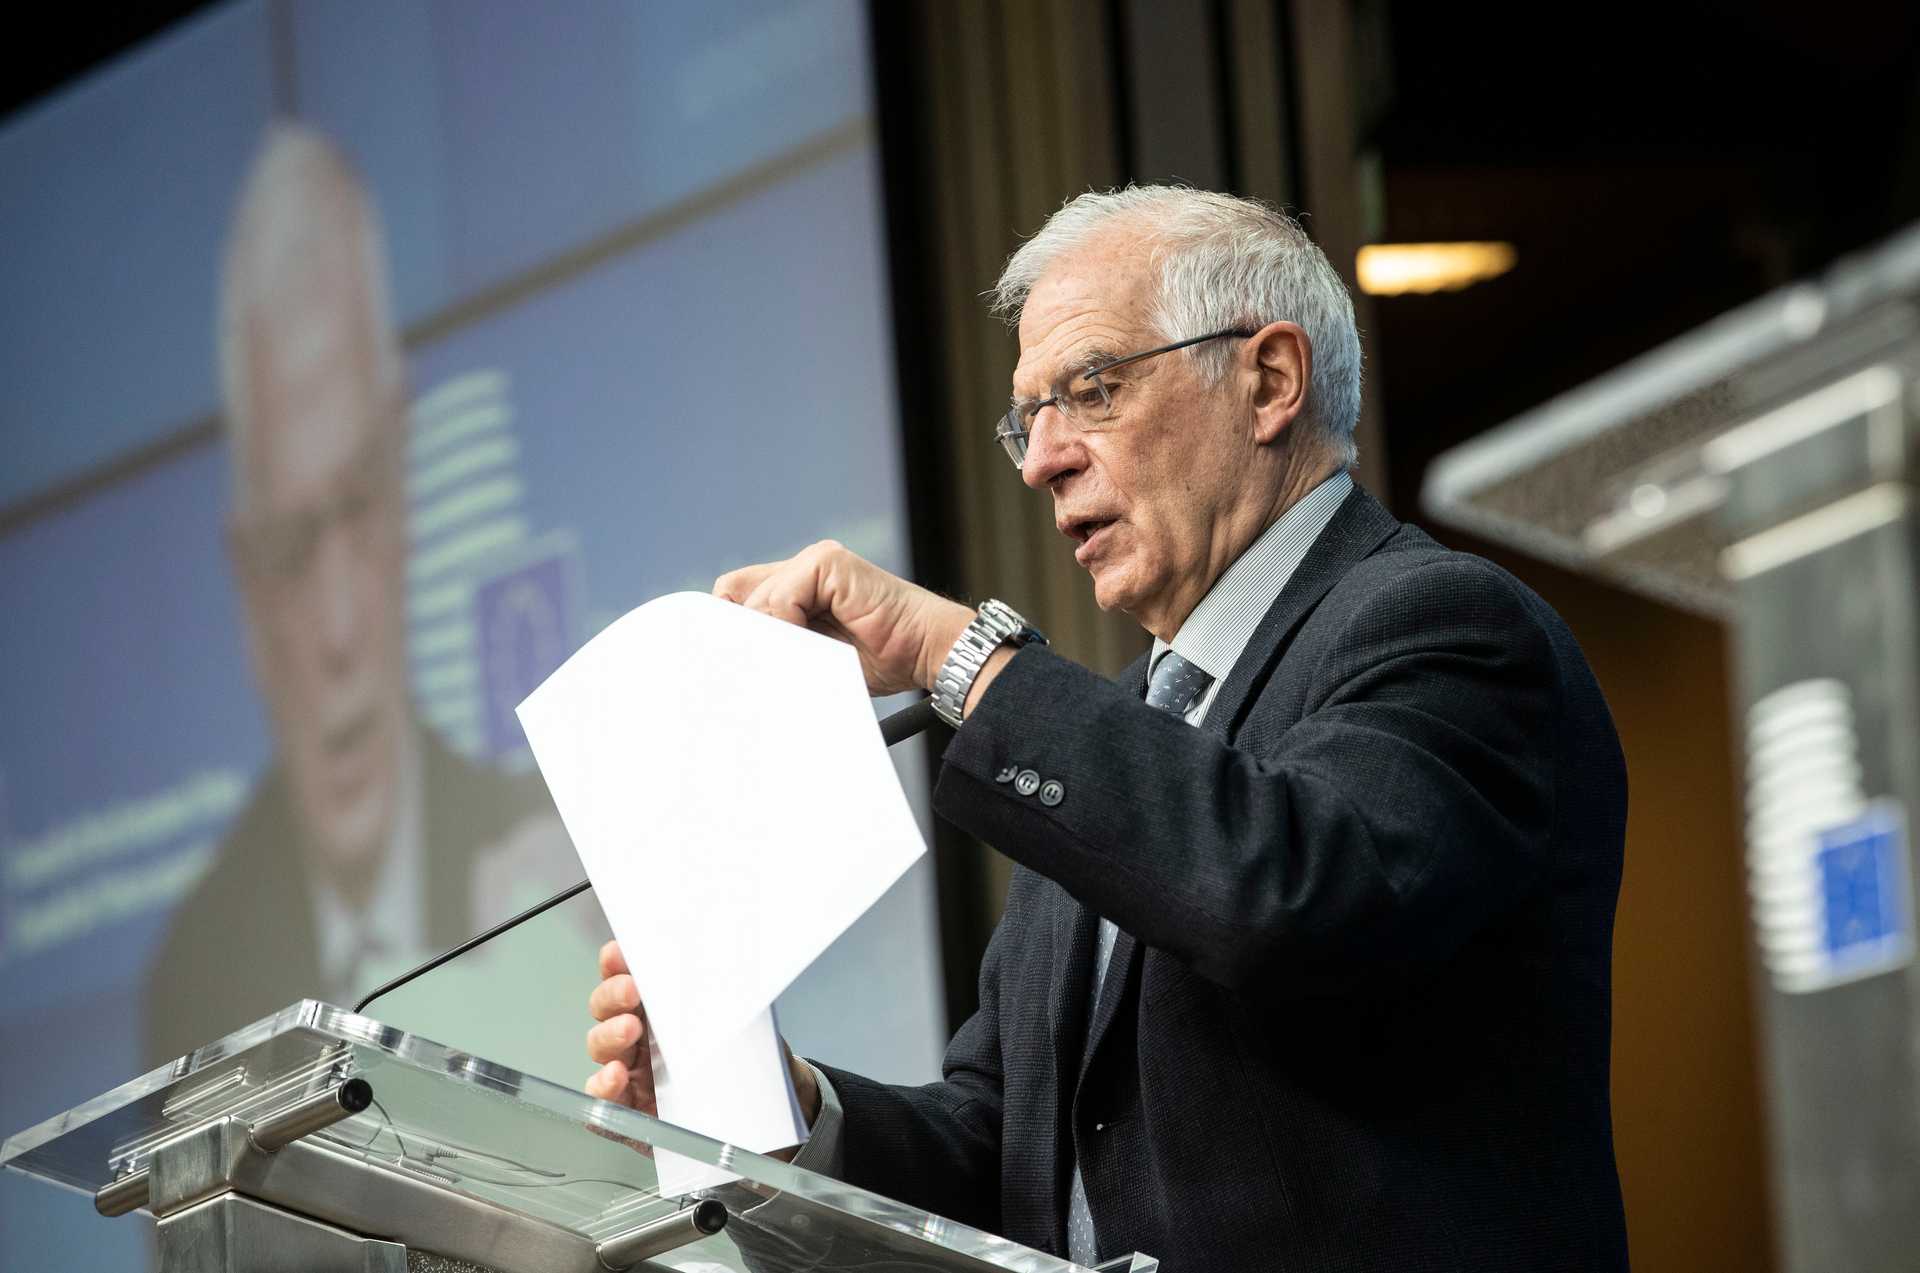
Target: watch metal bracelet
x,y
994,625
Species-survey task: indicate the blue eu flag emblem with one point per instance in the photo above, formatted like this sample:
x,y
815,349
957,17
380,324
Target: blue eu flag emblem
x,y
526,630
1863,884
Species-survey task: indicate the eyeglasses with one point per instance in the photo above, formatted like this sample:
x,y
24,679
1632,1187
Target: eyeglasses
x,y
1086,399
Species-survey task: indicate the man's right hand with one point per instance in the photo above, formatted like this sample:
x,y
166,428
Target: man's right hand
x,y
619,1042
619,1045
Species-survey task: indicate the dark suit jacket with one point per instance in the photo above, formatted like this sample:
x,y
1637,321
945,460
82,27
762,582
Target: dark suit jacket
x,y
1357,1018
243,945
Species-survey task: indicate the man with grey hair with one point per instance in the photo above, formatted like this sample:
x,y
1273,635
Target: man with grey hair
x,y
356,853
1305,960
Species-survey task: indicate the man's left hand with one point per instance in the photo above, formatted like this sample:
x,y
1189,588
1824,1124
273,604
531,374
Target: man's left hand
x,y
901,631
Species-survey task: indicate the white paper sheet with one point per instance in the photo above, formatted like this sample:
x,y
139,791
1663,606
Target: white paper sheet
x,y
741,1093
725,785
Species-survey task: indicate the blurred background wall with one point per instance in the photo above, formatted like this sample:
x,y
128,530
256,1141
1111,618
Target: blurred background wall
x,y
1650,166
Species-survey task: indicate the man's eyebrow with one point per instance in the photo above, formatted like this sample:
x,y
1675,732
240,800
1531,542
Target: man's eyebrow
x,y
1081,362
1089,358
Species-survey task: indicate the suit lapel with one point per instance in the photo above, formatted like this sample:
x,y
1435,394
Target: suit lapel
x,y
1359,526
1122,970
1075,929
1075,934
1120,963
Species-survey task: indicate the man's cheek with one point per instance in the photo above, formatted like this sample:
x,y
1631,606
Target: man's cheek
x,y
281,683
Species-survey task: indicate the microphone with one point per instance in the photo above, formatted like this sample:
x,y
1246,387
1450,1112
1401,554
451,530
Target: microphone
x,y
897,728
908,721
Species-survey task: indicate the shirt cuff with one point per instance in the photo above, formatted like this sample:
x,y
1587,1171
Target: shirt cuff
x,y
823,1150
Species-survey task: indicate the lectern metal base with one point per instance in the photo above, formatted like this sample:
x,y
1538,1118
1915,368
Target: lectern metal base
x,y
232,1234
338,1194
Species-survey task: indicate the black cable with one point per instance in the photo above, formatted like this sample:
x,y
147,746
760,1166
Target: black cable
x,y
898,727
571,891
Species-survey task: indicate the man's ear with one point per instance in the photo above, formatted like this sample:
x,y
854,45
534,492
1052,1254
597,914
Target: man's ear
x,y
1283,361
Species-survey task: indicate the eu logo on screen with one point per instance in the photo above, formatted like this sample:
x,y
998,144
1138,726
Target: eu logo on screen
x,y
1863,885
525,626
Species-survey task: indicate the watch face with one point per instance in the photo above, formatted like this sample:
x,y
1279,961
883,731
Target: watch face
x,y
1002,618
1014,628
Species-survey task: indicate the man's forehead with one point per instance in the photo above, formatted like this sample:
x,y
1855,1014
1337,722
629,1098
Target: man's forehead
x,y
1095,300
314,399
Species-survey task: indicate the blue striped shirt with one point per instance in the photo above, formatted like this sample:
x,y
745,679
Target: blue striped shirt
x,y
1219,628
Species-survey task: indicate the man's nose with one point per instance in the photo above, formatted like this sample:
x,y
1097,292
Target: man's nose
x,y
1054,449
340,607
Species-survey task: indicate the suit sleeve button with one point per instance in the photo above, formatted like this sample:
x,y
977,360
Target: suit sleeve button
x,y
1052,792
1027,782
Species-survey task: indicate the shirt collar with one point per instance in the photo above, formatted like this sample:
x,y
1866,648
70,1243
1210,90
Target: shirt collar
x,y
1219,628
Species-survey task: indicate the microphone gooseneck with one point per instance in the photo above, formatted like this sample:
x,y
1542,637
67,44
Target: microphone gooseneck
x,y
572,890
897,728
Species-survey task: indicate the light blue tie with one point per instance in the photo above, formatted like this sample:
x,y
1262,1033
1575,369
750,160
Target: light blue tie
x,y
1176,683
1175,686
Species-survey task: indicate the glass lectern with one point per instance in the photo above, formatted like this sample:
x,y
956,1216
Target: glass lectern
x,y
321,1141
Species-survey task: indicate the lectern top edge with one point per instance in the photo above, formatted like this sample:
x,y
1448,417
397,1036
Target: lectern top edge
x,y
335,1115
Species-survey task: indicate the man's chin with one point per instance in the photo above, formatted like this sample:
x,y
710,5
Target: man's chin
x,y
1111,590
350,841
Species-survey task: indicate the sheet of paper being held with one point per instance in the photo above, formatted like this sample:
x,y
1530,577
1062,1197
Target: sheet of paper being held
x,y
723,783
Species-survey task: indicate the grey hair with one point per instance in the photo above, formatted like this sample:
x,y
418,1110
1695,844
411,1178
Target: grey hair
x,y
304,209
1223,262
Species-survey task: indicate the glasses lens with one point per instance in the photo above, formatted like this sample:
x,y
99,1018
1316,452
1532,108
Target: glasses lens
x,y
1097,405
1011,434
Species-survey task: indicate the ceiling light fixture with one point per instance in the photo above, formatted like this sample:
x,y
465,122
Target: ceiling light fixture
x,y
1392,269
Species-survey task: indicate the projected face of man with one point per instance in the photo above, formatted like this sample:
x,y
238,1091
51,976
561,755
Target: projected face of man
x,y
319,537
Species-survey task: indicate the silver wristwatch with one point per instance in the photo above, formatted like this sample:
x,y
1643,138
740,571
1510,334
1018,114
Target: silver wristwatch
x,y
995,625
